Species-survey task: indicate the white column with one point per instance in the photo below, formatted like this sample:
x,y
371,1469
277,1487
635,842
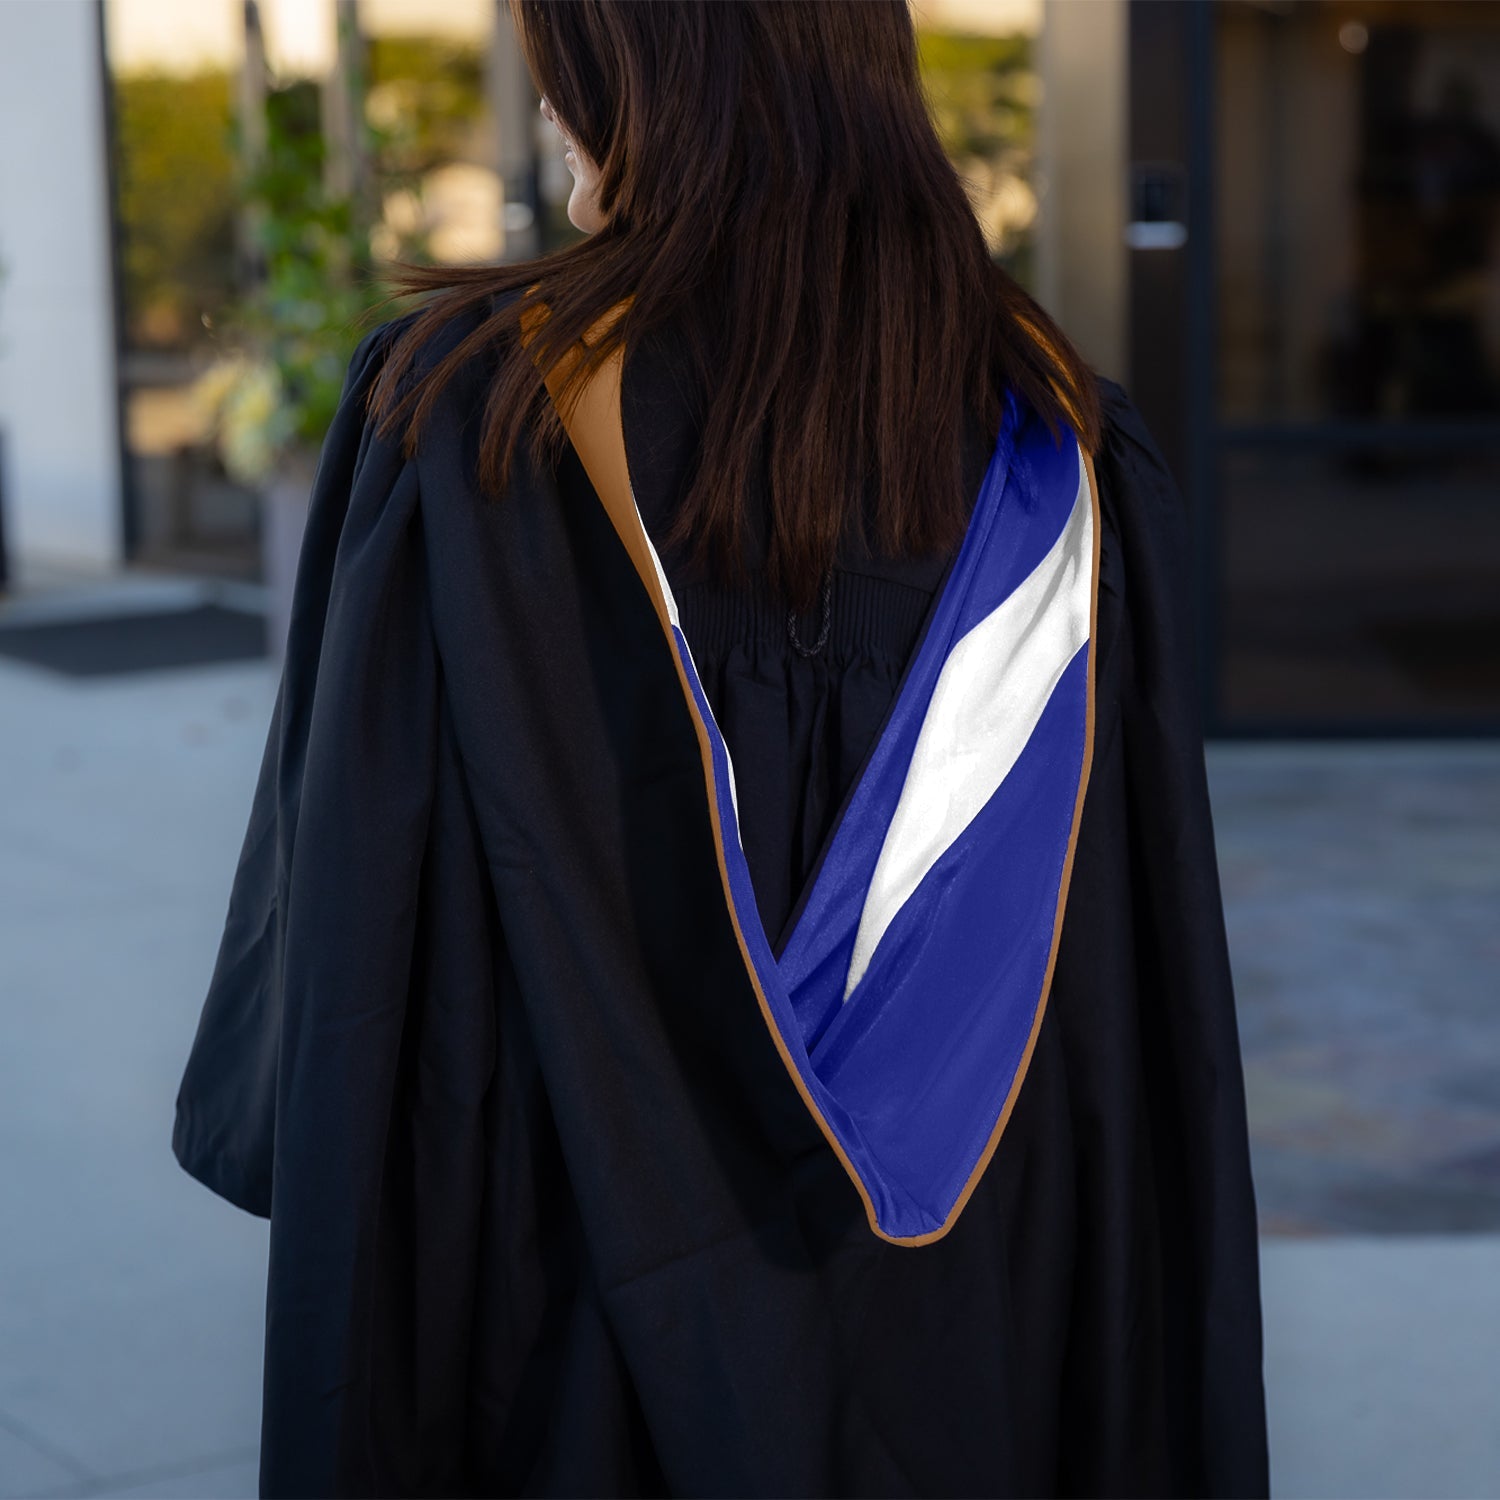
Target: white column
x,y
1082,264
62,481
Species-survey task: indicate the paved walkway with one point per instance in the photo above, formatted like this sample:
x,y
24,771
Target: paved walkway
x,y
130,1298
1362,891
1383,1366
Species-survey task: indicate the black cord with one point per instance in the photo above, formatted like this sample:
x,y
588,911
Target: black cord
x,y
791,621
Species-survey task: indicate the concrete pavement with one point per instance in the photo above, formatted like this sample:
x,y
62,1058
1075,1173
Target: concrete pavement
x,y
131,1298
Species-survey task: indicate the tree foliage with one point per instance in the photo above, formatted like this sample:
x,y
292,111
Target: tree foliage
x,y
175,169
983,93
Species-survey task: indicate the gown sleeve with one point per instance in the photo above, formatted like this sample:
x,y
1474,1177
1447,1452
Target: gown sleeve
x,y
319,899
338,1081
1190,1044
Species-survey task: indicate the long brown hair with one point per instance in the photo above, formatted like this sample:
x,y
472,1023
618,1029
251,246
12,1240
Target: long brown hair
x,y
773,186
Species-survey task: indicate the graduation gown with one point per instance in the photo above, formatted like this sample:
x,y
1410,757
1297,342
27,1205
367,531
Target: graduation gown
x,y
550,1211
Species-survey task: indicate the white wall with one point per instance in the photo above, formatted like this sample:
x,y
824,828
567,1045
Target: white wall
x,y
62,482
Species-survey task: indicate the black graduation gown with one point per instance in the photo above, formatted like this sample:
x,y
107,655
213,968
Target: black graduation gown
x,y
548,1215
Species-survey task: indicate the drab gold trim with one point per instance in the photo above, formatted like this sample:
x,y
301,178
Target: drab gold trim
x,y
595,429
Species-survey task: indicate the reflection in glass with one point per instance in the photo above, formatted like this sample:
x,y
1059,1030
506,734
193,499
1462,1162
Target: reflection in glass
x,y
1358,210
178,88
1360,587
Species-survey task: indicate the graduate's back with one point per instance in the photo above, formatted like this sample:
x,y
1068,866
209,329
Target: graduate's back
x,y
715,1029
819,343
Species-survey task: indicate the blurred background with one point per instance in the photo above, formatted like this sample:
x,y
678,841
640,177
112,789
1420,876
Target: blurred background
x,y
1275,222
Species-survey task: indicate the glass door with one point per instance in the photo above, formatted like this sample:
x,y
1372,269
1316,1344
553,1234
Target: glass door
x,y
1354,464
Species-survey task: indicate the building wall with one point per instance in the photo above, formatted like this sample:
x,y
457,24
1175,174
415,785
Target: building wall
x,y
58,401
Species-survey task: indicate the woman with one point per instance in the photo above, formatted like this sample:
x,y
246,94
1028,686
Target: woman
x,y
725,988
